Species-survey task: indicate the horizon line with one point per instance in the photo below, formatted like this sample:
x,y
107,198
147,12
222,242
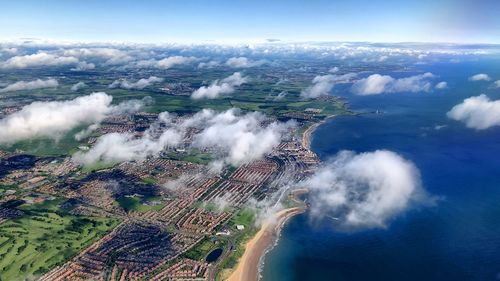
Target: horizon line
x,y
258,41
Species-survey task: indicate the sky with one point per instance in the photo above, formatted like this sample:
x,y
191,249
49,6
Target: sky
x,y
219,21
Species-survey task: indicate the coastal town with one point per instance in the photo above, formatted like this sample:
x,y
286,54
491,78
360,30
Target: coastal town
x,y
161,210
249,140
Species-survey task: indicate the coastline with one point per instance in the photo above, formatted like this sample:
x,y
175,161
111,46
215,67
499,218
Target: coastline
x,y
248,266
307,135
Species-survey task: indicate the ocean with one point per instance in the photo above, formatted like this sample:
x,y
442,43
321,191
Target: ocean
x,y
458,238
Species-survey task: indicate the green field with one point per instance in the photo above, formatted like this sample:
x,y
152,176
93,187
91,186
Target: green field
x,y
99,165
44,238
64,145
192,155
138,204
244,217
203,248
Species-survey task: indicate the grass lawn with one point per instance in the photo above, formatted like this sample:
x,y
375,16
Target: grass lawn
x,y
203,248
43,238
244,217
99,165
193,156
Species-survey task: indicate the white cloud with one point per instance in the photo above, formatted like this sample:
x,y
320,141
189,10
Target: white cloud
x,y
53,119
9,51
82,66
243,62
30,85
480,77
123,53
242,138
235,138
322,85
166,63
280,96
209,64
373,84
116,147
182,181
140,84
334,69
78,86
220,87
130,106
175,60
366,189
110,55
121,147
86,132
383,58
441,85
439,127
378,84
477,112
496,84
37,60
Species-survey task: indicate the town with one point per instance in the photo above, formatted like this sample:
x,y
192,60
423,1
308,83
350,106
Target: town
x,y
161,209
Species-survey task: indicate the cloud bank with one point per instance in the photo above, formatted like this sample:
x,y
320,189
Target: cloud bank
x,y
166,63
220,87
241,138
37,60
243,62
30,85
209,64
376,84
116,147
477,112
139,85
111,56
366,189
322,85
235,138
53,119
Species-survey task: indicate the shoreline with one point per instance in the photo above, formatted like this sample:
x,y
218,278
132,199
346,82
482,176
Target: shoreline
x,y
249,264
307,135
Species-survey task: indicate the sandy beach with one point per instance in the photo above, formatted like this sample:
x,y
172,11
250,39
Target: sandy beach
x,y
248,266
306,136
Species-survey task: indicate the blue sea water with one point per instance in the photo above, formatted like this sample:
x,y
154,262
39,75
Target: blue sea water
x,y
458,239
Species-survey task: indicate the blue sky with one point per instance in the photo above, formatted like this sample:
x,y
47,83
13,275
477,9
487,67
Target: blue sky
x,y
461,21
